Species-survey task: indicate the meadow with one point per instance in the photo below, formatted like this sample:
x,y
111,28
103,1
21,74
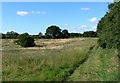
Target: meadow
x,y
76,59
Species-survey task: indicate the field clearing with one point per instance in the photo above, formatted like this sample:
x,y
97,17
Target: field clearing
x,y
41,43
54,60
43,64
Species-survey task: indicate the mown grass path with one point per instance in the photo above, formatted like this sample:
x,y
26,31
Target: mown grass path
x,y
102,65
77,65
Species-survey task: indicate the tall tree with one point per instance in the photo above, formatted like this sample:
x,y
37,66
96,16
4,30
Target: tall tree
x,y
53,32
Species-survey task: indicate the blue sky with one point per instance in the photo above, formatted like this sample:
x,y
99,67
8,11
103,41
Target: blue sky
x,y
35,17
57,0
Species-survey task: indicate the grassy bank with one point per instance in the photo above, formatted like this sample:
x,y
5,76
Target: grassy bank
x,y
102,65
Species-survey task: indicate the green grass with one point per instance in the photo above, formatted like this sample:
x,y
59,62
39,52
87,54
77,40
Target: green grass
x,y
43,64
66,63
102,65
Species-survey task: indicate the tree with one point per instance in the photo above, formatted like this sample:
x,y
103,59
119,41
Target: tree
x,y
35,36
11,35
116,0
65,33
73,35
2,36
53,32
40,35
108,28
25,40
89,34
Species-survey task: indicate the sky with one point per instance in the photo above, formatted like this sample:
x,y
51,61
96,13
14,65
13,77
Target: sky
x,y
57,0
35,17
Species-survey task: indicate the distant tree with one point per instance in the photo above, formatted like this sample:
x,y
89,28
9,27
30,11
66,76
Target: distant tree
x,y
2,36
35,36
116,0
25,40
89,34
73,35
53,32
11,35
40,35
65,33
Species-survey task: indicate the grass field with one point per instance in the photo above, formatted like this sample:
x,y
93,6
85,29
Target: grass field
x,y
101,65
58,60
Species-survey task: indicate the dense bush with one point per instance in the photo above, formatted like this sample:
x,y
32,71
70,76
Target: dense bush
x,y
108,28
25,40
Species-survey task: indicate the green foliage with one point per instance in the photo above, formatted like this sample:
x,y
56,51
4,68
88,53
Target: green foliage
x,y
108,28
25,40
53,32
2,35
65,33
102,65
73,35
89,34
10,35
101,43
40,35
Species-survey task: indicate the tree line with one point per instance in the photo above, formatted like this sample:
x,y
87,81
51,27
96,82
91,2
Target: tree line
x,y
51,32
108,28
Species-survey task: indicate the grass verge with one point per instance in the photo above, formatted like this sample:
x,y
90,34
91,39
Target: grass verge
x,y
102,65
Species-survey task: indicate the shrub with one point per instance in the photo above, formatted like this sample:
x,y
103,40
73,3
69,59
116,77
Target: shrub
x,y
25,40
101,43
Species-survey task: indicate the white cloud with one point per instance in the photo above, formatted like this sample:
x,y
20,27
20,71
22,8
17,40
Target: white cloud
x,y
32,12
35,12
22,13
94,20
43,12
94,28
38,12
85,8
84,26
66,25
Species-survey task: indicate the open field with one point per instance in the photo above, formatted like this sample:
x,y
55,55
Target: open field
x,y
59,60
